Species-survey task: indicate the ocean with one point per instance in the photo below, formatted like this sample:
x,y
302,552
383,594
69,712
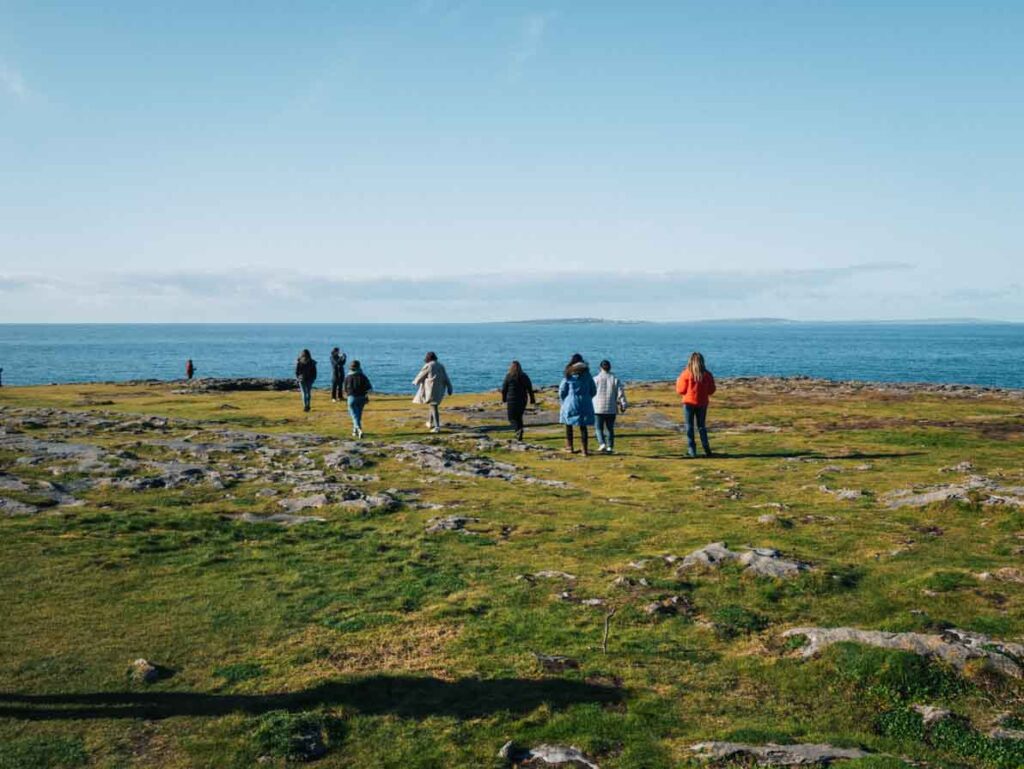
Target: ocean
x,y
477,355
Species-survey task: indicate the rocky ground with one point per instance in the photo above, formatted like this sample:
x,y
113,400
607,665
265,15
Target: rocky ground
x,y
199,574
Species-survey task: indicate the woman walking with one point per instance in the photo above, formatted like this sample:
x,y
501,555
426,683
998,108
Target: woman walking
x,y
696,385
609,400
357,389
576,392
305,372
432,385
338,359
516,390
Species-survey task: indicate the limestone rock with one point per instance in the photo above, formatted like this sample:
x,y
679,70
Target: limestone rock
x,y
303,503
545,755
776,755
449,523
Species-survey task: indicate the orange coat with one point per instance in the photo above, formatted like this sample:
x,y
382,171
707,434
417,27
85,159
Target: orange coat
x,y
695,393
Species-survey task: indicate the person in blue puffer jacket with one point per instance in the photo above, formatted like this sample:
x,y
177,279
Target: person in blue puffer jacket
x,y
576,392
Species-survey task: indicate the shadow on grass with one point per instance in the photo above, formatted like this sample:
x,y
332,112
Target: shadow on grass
x,y
776,455
403,696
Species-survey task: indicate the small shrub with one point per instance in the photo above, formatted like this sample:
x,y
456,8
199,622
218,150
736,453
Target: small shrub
x,y
733,621
947,581
295,736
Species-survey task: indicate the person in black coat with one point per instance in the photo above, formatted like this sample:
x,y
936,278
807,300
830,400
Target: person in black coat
x,y
357,389
516,391
305,372
338,359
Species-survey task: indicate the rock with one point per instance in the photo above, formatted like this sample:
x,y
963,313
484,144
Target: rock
x,y
962,467
545,755
281,519
988,491
237,384
776,755
847,495
760,561
145,672
667,606
628,582
12,483
446,461
768,519
13,507
1005,574
303,503
931,714
554,663
552,574
450,523
956,647
766,562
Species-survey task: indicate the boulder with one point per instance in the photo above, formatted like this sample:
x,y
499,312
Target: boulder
x,y
776,755
545,755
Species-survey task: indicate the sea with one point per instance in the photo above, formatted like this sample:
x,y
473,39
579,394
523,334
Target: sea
x,y
477,355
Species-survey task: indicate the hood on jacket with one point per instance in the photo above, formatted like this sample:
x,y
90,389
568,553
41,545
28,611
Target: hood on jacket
x,y
577,369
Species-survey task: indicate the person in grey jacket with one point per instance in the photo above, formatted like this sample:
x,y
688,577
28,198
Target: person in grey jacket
x,y
609,401
432,384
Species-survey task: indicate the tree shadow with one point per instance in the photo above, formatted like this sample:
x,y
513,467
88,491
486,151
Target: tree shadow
x,y
403,696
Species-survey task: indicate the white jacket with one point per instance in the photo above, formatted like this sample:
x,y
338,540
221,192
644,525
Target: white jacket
x,y
611,395
432,384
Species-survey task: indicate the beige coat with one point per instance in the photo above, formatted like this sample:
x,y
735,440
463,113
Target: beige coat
x,y
432,383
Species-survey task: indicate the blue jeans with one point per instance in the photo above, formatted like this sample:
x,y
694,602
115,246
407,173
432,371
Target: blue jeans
x,y
307,393
356,403
606,430
698,414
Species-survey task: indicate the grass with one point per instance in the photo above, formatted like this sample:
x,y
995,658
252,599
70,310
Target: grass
x,y
413,650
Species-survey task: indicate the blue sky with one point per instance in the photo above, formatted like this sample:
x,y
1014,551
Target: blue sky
x,y
436,159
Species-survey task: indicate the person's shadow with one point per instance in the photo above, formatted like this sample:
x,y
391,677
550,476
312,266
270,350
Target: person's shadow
x,y
403,696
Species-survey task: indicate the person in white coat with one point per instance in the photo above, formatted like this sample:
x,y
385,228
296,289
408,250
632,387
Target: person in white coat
x,y
609,401
432,384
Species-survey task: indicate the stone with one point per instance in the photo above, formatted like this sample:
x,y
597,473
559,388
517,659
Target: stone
x,y
955,647
13,507
449,523
667,606
709,556
281,519
303,503
847,495
771,754
931,714
759,561
143,671
545,755
555,663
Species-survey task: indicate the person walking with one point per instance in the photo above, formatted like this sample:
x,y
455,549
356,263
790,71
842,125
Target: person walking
x,y
576,392
516,391
357,389
338,359
432,384
305,372
190,370
696,385
609,400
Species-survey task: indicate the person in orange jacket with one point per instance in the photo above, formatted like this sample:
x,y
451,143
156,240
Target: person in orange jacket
x,y
696,385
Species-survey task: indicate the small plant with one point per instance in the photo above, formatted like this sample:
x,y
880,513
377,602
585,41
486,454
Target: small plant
x,y
294,736
896,676
948,581
733,621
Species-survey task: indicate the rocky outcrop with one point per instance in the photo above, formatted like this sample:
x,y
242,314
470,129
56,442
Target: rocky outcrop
x,y
545,755
236,384
442,460
955,647
986,490
758,561
775,755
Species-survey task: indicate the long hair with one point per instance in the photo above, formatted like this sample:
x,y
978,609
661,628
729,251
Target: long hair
x,y
576,358
696,366
305,355
430,357
515,370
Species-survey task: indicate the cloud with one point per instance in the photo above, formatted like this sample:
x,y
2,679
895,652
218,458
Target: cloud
x,y
255,295
531,36
12,82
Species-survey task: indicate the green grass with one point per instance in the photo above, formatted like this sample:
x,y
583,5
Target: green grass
x,y
413,650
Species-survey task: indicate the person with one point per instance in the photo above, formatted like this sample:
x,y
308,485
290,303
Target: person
x,y
516,390
1,377
576,392
357,389
190,370
305,372
432,385
609,400
696,385
338,359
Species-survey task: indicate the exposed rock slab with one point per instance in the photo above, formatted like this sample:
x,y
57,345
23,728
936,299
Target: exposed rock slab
x,y
776,755
443,460
987,490
281,519
546,755
759,561
449,523
12,507
955,647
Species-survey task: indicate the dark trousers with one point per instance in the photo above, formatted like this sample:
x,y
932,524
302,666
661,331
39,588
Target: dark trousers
x,y
606,430
515,418
336,394
698,414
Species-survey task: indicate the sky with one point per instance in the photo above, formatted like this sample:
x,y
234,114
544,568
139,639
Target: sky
x,y
452,160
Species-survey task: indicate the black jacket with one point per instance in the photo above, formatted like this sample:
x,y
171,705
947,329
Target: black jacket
x,y
515,391
357,384
338,365
305,370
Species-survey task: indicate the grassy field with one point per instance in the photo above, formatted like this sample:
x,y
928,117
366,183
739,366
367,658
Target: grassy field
x,y
397,647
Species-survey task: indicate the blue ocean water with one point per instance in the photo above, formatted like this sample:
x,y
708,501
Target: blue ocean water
x,y
477,355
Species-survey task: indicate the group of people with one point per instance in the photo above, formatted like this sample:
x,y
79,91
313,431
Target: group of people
x,y
585,400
